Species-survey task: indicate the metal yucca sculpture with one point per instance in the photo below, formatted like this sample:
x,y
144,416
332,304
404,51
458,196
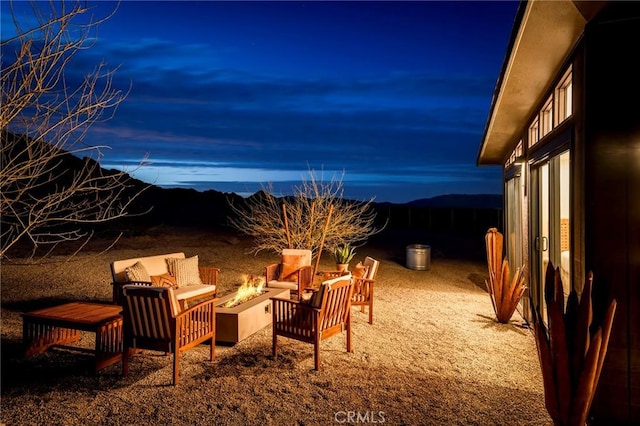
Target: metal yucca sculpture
x,y
571,357
505,291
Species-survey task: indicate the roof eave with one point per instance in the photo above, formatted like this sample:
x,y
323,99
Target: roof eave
x,y
544,34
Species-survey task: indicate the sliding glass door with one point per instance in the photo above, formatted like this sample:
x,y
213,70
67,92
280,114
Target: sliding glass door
x,y
550,227
514,230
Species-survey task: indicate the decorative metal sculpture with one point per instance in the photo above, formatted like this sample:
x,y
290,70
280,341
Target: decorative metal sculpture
x,y
505,292
571,357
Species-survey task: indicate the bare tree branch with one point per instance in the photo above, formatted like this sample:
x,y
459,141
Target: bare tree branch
x,y
352,222
44,119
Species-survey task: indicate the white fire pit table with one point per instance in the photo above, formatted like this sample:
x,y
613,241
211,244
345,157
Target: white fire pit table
x,y
239,322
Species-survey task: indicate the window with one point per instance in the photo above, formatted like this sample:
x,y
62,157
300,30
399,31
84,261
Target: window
x,y
546,117
534,136
563,97
513,223
516,155
557,108
519,150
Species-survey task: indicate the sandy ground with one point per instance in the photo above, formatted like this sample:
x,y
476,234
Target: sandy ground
x,y
433,356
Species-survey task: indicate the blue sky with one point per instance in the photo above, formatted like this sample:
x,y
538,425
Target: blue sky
x,y
231,96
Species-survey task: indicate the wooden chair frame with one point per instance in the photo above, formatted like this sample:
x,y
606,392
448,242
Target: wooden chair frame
x,y
152,320
304,275
362,287
303,322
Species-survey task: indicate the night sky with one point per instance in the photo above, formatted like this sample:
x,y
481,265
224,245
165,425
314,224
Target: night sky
x,y
235,95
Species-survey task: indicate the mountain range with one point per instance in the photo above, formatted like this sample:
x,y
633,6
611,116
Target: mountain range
x,y
172,206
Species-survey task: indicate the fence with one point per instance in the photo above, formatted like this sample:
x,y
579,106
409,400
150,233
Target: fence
x,y
458,220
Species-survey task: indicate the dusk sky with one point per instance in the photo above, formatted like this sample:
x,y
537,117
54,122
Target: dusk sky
x,y
235,95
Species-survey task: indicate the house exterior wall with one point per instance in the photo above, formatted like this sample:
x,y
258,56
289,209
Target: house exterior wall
x,y
578,173
605,196
612,199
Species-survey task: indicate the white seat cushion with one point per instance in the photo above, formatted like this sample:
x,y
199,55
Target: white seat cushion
x,y
189,291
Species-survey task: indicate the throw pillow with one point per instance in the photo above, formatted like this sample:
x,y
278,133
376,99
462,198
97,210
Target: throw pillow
x,y
316,298
360,271
290,265
164,280
185,271
288,272
137,272
296,259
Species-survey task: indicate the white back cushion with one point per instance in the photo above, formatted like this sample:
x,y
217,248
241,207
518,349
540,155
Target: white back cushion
x,y
299,252
155,265
373,267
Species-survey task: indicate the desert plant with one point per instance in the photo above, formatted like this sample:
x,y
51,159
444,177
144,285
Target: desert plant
x,y
44,118
570,355
343,253
315,216
505,292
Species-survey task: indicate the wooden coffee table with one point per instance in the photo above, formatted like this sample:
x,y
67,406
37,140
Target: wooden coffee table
x,y
61,326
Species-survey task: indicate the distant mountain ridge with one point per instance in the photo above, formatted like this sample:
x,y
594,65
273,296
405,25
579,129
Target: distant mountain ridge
x,y
184,206
480,201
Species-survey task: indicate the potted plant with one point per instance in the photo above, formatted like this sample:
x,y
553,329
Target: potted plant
x,y
343,254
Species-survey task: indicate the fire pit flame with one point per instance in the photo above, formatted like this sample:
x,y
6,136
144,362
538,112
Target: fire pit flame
x,y
251,287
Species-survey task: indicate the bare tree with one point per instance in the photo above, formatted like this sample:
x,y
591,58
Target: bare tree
x,y
317,215
44,119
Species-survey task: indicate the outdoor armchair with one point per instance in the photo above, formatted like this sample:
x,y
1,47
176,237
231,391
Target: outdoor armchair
x,y
327,314
152,320
293,272
363,283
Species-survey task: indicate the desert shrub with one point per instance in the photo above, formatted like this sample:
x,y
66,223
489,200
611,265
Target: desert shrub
x,y
315,217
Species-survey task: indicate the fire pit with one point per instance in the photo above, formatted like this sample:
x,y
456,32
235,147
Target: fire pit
x,y
240,314
251,287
